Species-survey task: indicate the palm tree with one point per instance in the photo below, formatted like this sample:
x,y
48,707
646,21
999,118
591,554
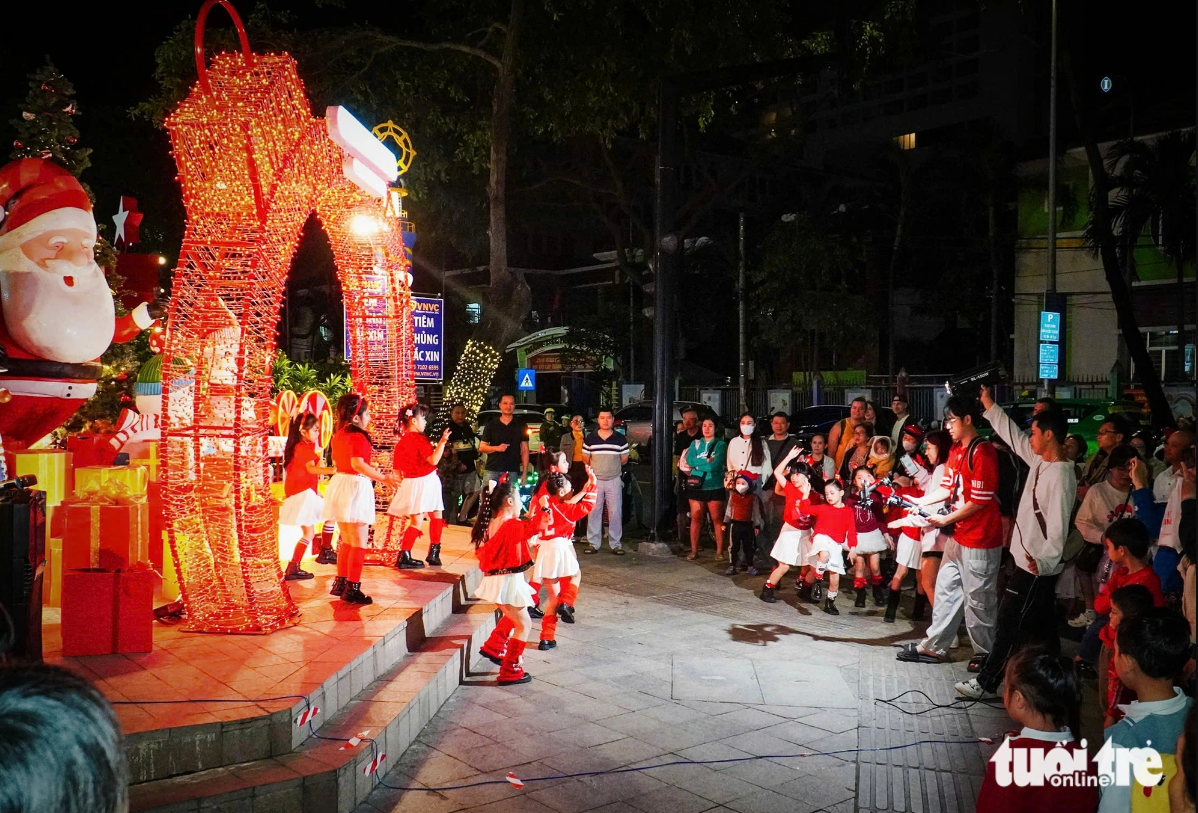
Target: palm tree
x,y
1153,188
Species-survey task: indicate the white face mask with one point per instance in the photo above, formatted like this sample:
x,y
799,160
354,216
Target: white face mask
x,y
742,487
746,429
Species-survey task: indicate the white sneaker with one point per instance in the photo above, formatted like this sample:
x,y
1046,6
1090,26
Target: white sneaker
x,y
1082,620
972,689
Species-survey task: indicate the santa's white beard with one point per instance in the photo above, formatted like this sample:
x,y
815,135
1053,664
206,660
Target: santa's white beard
x,y
50,319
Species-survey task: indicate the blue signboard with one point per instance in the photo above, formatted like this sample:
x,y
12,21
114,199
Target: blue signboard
x,y
1050,353
1048,371
428,332
1050,326
526,379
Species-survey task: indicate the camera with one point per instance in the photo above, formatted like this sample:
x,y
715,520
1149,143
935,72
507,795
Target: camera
x,y
970,382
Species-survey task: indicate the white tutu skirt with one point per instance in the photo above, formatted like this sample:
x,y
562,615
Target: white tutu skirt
x,y
417,495
792,546
511,589
871,542
823,542
556,559
305,509
349,498
932,540
908,552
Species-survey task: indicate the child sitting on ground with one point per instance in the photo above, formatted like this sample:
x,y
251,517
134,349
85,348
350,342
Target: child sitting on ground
x,y
1150,650
1043,694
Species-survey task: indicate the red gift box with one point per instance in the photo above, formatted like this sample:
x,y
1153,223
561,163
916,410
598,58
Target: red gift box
x,y
106,612
110,537
92,450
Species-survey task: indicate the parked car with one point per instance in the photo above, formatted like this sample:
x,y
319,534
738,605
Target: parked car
x,y
531,417
820,420
636,419
1084,415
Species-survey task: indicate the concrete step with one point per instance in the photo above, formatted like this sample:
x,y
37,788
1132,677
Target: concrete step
x,y
321,775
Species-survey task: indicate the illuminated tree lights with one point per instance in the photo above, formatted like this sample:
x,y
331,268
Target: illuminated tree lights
x,y
473,376
254,163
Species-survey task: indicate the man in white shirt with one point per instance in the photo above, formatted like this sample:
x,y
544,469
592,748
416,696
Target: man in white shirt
x,y
1175,447
1026,610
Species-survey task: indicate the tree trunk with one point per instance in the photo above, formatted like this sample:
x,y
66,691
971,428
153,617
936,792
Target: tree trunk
x,y
904,200
1162,413
1181,322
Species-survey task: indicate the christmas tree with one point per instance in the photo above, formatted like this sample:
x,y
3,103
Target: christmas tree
x,y
46,129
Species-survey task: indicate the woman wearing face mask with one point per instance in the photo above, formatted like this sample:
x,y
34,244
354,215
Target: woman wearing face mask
x,y
744,516
748,452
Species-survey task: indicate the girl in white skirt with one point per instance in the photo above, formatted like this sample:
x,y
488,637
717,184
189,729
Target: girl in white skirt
x,y
835,532
303,505
921,540
349,499
501,543
871,542
419,495
799,485
557,563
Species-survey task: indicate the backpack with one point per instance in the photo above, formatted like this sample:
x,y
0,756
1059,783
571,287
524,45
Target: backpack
x,y
1012,476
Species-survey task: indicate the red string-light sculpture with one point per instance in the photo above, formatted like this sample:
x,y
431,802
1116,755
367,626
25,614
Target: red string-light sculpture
x,y
254,164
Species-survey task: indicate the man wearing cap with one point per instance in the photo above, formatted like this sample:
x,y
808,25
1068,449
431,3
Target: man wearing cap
x,y
902,417
58,315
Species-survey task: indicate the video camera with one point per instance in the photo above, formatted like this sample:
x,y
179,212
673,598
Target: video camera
x,y
970,382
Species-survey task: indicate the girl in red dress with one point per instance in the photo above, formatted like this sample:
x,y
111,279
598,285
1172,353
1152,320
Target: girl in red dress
x,y
419,495
501,543
871,541
303,506
557,564
349,499
835,532
798,483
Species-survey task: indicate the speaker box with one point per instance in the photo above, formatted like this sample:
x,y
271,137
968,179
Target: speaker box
x,y
22,561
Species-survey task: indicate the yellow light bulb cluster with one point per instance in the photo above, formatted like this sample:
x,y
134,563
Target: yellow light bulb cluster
x,y
473,376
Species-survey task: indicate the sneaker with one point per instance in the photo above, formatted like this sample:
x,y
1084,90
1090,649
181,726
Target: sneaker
x,y
972,689
1083,619
730,570
752,571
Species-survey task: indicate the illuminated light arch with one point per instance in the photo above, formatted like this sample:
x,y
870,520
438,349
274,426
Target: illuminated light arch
x,y
254,164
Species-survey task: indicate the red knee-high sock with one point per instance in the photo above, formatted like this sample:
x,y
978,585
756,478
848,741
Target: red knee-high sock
x,y
536,591
549,627
875,579
343,554
357,559
858,582
326,535
409,538
297,555
435,526
496,643
511,669
569,592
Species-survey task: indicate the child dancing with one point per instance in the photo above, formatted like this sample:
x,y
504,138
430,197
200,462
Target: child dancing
x,y
349,499
798,484
871,542
557,564
420,493
835,531
501,543
303,506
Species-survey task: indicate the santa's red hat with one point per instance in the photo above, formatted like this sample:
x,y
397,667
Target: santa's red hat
x,y
37,195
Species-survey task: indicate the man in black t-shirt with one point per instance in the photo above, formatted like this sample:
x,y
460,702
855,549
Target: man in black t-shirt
x,y
690,431
505,443
459,468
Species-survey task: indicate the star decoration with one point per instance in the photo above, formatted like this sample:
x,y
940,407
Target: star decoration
x,y
126,219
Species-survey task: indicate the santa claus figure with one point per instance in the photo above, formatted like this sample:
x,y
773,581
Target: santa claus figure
x,y
58,314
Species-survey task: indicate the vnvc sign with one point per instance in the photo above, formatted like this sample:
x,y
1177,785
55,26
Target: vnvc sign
x,y
428,329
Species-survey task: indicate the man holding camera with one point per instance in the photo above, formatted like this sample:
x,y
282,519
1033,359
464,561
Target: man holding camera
x,y
1026,613
967,582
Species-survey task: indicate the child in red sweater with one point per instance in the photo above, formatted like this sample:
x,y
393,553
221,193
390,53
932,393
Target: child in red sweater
x,y
745,517
835,532
871,542
556,562
303,505
798,484
501,543
419,495
1041,693
1125,603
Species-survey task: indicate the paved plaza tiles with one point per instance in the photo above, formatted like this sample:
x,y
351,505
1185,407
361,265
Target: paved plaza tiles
x,y
671,663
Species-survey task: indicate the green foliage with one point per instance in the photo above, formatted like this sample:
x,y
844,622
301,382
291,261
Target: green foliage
x,y
330,377
46,127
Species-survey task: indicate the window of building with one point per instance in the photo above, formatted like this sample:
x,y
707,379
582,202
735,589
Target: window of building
x,y
918,102
474,312
906,141
942,96
1162,346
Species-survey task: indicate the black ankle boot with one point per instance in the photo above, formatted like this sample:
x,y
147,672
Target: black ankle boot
x,y
406,562
921,603
434,555
338,586
879,595
327,556
545,646
892,605
830,606
861,593
294,573
353,594
566,613
767,595
536,612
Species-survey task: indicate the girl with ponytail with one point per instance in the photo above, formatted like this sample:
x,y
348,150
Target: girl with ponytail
x,y
419,495
501,543
349,499
303,506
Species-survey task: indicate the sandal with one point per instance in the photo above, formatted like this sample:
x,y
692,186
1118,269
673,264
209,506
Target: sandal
x,y
690,557
911,654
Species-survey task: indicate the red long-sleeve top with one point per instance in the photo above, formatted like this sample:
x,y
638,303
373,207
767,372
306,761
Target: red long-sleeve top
x,y
507,548
867,516
563,516
793,513
833,522
411,455
910,492
1122,578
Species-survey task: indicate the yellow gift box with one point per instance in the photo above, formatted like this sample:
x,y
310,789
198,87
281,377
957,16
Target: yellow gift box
x,y
170,579
52,575
133,479
52,467
151,461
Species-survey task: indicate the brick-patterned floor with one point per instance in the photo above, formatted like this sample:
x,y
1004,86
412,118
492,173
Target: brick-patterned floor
x,y
670,661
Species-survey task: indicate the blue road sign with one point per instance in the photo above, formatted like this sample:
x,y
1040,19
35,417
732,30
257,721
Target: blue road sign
x,y
1048,371
526,379
1050,353
1050,326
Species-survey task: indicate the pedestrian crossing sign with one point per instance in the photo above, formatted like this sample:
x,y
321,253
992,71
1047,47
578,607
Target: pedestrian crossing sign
x,y
526,380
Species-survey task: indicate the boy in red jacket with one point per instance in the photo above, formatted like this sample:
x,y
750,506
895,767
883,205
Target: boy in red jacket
x,y
745,516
